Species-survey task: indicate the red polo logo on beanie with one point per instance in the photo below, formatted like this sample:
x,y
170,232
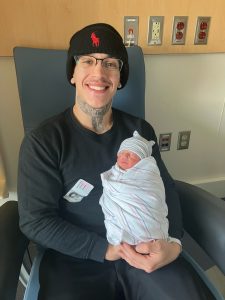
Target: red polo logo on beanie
x,y
95,40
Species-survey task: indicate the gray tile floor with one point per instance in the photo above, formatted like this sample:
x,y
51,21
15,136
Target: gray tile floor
x,y
218,279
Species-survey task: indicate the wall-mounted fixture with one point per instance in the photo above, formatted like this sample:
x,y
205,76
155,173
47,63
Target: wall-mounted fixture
x,y
165,141
202,30
155,30
131,30
179,30
183,140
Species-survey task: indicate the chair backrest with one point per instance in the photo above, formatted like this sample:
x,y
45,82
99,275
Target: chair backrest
x,y
44,90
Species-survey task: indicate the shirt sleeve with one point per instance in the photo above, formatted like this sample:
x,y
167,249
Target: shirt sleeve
x,y
40,188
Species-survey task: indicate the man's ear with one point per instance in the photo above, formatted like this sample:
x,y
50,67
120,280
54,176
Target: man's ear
x,y
72,80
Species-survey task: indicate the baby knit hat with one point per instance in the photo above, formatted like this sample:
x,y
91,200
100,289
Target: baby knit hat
x,y
138,145
98,38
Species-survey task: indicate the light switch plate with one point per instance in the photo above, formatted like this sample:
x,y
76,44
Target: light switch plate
x,y
179,30
131,30
155,30
202,30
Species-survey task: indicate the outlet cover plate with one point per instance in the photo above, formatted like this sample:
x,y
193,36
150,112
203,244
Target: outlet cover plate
x,y
155,30
131,24
202,30
179,30
183,140
165,141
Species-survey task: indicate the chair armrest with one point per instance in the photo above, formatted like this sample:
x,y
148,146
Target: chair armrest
x,y
12,248
204,219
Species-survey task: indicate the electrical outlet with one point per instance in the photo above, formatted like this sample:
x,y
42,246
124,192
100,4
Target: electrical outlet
x,y
179,30
131,31
183,140
155,30
165,141
202,30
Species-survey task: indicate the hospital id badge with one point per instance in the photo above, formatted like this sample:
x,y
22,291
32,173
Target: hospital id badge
x,y
80,190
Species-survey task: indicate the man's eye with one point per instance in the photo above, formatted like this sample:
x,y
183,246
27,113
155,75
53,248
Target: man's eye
x,y
111,65
87,61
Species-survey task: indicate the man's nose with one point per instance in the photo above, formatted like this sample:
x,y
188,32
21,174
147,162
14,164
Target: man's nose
x,y
98,67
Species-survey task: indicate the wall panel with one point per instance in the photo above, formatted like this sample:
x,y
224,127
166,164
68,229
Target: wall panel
x,y
50,23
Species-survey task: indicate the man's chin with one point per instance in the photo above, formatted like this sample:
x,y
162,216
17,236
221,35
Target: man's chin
x,y
97,104
101,106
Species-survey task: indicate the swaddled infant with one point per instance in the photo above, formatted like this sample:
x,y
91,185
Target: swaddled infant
x,y
133,199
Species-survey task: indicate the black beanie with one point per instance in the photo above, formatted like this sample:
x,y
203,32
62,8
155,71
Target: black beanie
x,y
98,38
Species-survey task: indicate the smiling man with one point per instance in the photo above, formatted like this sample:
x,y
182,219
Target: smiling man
x,y
100,71
59,187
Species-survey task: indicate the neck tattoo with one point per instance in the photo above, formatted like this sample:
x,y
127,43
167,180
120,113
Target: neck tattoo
x,y
96,115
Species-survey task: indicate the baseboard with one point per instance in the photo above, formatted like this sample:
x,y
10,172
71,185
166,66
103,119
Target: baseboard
x,y
12,196
215,186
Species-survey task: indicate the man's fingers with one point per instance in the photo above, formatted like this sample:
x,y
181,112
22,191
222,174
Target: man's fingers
x,y
154,246
133,258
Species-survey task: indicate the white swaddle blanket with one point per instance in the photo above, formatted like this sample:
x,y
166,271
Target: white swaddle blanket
x,y
133,203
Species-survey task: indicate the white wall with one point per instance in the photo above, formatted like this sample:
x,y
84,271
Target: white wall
x,y
183,92
11,130
187,92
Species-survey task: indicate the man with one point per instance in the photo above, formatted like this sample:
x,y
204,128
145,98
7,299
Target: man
x,y
59,188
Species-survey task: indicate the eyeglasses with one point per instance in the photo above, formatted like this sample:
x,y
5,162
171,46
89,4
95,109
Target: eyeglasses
x,y
108,63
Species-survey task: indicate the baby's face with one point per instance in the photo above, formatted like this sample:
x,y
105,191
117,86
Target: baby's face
x,y
127,159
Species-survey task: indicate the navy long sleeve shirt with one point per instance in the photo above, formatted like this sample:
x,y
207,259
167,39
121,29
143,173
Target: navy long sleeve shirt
x,y
53,158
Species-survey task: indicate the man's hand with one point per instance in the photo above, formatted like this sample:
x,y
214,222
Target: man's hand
x,y
150,256
113,252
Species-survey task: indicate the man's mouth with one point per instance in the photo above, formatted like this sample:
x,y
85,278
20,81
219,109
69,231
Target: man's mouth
x,y
97,88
